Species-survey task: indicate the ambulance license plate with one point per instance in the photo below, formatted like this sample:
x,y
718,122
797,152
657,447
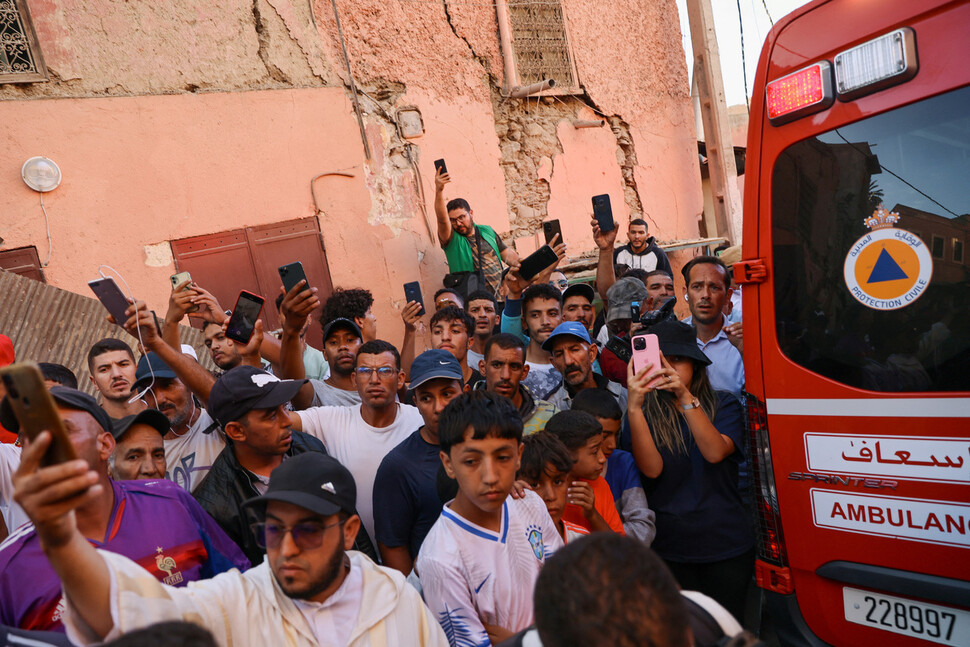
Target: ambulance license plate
x,y
931,622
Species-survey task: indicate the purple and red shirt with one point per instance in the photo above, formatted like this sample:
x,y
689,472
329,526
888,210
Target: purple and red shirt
x,y
154,523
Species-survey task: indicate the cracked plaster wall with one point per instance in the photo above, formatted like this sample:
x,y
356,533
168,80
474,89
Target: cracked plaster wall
x,y
516,161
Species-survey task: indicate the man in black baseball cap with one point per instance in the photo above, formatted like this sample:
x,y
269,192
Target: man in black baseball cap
x,y
250,405
577,304
139,451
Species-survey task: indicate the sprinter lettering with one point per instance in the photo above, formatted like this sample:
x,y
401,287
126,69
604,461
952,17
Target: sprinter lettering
x,y
940,522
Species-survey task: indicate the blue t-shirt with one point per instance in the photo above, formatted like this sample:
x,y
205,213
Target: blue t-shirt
x,y
622,473
700,514
406,502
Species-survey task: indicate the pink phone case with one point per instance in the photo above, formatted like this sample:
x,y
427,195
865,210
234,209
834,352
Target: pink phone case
x,y
650,354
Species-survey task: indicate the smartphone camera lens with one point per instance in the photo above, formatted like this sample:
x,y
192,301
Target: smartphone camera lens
x,y
639,343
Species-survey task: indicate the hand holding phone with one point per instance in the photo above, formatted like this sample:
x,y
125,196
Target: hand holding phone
x,y
603,212
291,275
536,262
111,297
549,229
646,350
243,320
179,279
440,168
412,292
36,410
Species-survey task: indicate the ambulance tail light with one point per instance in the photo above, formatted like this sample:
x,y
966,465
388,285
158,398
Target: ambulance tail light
x,y
801,93
772,566
876,64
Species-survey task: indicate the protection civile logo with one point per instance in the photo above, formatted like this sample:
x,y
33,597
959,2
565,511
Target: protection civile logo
x,y
888,268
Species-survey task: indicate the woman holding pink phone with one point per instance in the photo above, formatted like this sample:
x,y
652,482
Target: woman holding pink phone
x,y
687,440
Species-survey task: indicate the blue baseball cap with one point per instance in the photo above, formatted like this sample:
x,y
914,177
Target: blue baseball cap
x,y
148,364
570,328
432,364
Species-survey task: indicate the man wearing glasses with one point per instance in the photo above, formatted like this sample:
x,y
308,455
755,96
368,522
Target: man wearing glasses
x,y
311,589
359,436
249,404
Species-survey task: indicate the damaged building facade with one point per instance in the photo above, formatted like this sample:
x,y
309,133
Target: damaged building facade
x,y
198,135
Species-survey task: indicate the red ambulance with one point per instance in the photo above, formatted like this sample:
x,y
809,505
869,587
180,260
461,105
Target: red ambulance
x,y
856,299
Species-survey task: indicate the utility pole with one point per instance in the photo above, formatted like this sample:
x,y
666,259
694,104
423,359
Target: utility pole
x,y
714,117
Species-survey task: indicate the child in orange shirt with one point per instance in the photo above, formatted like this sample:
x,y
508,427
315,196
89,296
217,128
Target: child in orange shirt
x,y
590,501
545,466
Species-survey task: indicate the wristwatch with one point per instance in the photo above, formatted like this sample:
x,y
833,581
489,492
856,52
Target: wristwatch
x,y
694,403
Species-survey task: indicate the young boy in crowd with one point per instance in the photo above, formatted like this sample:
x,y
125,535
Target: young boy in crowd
x,y
621,474
590,501
546,465
480,560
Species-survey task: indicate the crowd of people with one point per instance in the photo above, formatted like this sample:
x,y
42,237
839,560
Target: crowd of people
x,y
518,483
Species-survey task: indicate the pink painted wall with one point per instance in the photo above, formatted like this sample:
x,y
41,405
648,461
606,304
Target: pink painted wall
x,y
144,170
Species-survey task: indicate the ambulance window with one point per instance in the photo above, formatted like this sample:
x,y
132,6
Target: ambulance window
x,y
859,297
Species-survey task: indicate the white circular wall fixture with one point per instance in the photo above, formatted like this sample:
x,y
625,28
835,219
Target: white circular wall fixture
x,y
41,174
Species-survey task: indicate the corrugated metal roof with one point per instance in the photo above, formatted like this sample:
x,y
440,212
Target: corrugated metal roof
x,y
48,324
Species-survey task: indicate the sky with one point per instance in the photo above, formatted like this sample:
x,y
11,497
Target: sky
x,y
728,29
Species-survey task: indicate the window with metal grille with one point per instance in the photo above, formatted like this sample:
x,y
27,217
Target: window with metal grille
x,y
540,44
20,57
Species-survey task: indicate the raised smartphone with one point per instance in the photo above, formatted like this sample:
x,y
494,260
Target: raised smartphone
x,y
111,297
36,410
549,229
244,315
179,279
412,292
536,262
646,350
603,212
291,274
439,167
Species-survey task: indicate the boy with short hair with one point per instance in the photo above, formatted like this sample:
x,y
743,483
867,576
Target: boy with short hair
x,y
590,501
546,465
622,474
480,560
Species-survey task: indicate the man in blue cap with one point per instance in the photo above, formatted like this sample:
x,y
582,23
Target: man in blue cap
x,y
573,355
406,502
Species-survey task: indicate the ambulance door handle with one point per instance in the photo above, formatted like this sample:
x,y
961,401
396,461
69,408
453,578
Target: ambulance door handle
x,y
752,271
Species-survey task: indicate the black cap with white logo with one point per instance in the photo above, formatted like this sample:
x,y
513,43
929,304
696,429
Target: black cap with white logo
x,y
244,388
314,481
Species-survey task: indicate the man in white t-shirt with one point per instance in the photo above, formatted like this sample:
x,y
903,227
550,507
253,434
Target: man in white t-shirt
x,y
480,560
360,436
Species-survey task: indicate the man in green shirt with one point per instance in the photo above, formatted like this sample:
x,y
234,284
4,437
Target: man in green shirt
x,y
460,238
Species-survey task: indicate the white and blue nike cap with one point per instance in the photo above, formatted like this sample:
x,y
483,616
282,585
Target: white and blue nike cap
x,y
432,364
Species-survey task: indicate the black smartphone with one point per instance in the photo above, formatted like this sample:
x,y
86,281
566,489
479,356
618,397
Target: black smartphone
x,y
412,292
537,261
244,315
635,311
111,297
439,167
550,228
620,347
603,212
291,274
36,410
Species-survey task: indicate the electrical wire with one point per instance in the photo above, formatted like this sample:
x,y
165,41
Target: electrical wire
x,y
887,170
131,297
744,63
47,223
765,5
